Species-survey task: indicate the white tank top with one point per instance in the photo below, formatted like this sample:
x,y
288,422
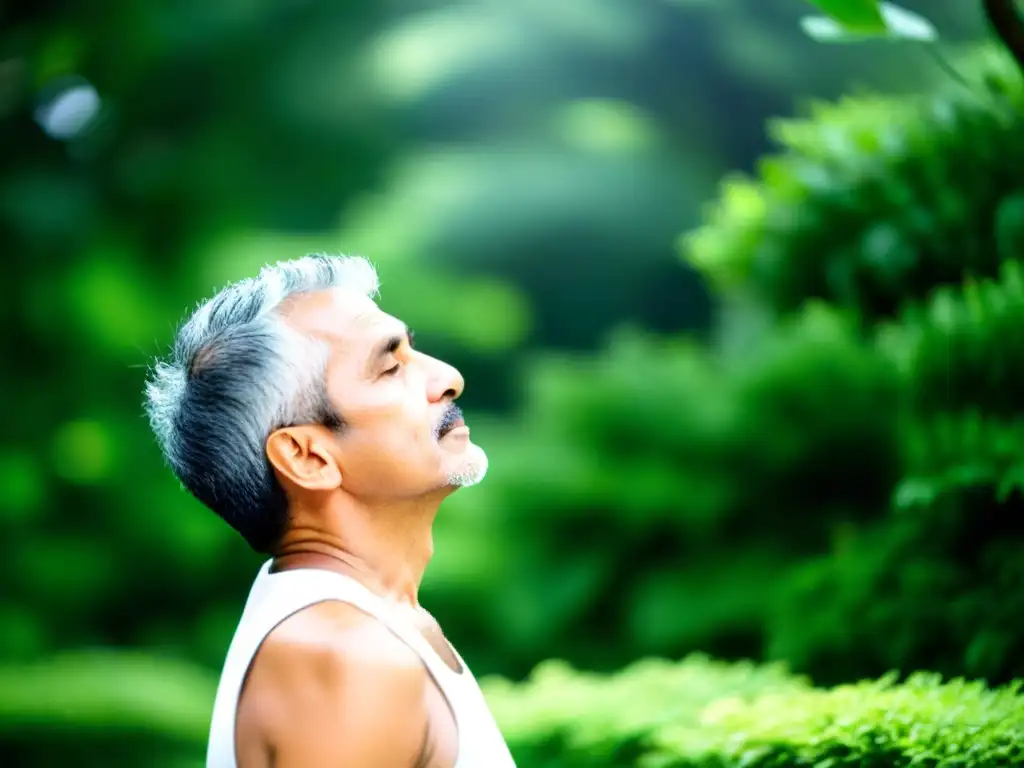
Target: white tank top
x,y
276,596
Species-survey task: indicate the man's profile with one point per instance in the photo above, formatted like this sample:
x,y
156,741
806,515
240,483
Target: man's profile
x,y
301,413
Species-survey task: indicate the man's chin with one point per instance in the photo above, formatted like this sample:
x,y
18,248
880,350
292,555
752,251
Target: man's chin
x,y
471,470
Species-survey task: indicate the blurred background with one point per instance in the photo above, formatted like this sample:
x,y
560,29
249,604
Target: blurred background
x,y
522,173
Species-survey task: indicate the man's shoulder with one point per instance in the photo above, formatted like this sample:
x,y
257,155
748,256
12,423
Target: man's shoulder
x,y
331,684
336,645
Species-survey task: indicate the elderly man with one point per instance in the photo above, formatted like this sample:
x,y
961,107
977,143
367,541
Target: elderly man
x,y
302,414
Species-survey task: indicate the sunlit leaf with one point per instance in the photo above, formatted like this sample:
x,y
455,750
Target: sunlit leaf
x,y
907,25
863,16
900,24
826,30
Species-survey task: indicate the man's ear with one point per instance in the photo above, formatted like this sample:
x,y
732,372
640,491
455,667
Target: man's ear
x,y
302,455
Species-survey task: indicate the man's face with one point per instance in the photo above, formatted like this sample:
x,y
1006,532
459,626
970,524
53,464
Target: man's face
x,y
403,435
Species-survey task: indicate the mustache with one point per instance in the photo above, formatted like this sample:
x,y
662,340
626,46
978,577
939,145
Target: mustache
x,y
451,415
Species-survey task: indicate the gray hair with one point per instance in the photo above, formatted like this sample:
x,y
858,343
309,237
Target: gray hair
x,y
237,372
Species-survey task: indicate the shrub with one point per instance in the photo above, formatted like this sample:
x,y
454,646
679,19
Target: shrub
x,y
906,214
962,358
564,718
669,489
923,723
874,201
703,714
823,467
936,586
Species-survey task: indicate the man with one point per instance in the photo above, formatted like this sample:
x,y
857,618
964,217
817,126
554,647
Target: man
x,y
301,413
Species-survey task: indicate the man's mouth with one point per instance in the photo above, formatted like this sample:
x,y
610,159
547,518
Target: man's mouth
x,y
452,419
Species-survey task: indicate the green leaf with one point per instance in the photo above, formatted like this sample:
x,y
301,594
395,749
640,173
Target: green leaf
x,y
907,25
862,16
898,24
826,30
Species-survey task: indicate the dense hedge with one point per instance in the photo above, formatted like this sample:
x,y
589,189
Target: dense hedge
x,y
703,714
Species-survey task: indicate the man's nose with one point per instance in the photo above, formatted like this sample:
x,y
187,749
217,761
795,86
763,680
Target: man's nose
x,y
446,383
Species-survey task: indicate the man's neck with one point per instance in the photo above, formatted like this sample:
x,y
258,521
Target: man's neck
x,y
386,548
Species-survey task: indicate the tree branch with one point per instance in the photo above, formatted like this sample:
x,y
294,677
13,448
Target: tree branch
x,y
1002,16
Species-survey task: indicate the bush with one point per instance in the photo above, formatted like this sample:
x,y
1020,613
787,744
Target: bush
x,y
935,586
874,724
703,714
874,201
564,718
669,488
906,214
962,358
822,465
939,584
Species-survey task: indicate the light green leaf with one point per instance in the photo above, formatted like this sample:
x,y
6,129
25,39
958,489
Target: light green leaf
x,y
826,30
900,24
907,25
862,16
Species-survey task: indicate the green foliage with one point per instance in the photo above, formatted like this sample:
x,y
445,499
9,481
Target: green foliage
x,y
830,485
703,714
875,201
859,20
875,724
946,563
856,15
92,708
669,487
964,349
936,586
654,498
563,718
961,357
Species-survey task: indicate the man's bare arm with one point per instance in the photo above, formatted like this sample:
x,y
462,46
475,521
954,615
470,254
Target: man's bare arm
x,y
357,701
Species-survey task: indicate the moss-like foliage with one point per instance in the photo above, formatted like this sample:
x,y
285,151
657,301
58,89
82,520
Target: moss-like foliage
x,y
565,718
922,723
703,714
